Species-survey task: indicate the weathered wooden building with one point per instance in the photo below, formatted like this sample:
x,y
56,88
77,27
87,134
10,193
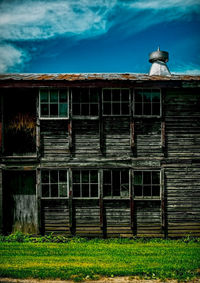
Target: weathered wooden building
x,y
100,154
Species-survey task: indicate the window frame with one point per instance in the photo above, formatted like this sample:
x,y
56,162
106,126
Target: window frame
x,y
54,117
111,102
129,183
142,185
144,115
49,183
81,116
81,192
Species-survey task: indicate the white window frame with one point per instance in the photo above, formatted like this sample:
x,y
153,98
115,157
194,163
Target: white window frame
x,y
119,102
54,117
88,116
98,184
144,115
49,183
129,183
142,185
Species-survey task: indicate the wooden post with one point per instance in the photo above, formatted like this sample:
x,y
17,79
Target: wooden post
x,y
70,203
163,134
101,204
132,204
101,125
163,204
38,143
39,203
132,134
70,134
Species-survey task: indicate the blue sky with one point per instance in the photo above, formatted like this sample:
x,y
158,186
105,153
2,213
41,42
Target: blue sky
x,y
72,36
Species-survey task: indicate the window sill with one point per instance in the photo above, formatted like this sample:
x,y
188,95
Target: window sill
x,y
54,118
85,117
146,198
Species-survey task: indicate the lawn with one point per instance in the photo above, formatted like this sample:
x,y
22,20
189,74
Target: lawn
x,y
95,258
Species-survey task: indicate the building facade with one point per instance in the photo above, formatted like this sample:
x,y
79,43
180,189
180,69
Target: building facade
x,y
100,155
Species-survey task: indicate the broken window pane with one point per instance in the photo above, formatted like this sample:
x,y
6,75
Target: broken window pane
x,y
53,109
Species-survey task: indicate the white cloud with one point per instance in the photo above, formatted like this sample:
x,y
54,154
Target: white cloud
x,y
11,58
189,69
29,20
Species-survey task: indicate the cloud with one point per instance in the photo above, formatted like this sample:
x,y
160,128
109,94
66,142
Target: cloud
x,y
11,58
189,69
36,20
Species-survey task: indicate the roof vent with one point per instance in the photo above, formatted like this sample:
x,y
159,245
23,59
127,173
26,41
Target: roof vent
x,y
158,59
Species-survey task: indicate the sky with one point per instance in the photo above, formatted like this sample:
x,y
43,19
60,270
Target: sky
x,y
98,36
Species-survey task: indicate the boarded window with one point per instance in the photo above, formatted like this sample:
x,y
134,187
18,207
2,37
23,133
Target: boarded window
x,y
116,102
19,201
54,183
85,102
20,122
54,103
147,102
116,183
85,183
147,184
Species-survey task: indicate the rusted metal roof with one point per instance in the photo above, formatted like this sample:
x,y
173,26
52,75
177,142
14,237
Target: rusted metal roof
x,y
95,76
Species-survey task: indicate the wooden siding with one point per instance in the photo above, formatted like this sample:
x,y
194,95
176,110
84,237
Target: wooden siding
x,y
117,136
148,138
86,138
182,184
54,140
148,218
55,216
117,218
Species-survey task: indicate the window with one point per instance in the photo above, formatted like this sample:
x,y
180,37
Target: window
x,y
147,184
53,103
116,183
147,102
85,102
116,101
85,183
54,183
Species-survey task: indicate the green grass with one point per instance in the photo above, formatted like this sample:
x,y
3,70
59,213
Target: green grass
x,y
78,260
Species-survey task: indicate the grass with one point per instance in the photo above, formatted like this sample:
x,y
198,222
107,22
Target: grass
x,y
91,259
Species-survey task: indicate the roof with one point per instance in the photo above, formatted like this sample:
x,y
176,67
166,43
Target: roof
x,y
95,76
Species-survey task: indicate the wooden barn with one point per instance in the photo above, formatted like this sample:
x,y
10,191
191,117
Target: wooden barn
x,y
101,155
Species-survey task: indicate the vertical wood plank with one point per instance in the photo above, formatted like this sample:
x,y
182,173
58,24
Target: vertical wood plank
x,y
70,134
38,143
163,204
132,134
163,134
101,204
39,203
70,203
132,204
